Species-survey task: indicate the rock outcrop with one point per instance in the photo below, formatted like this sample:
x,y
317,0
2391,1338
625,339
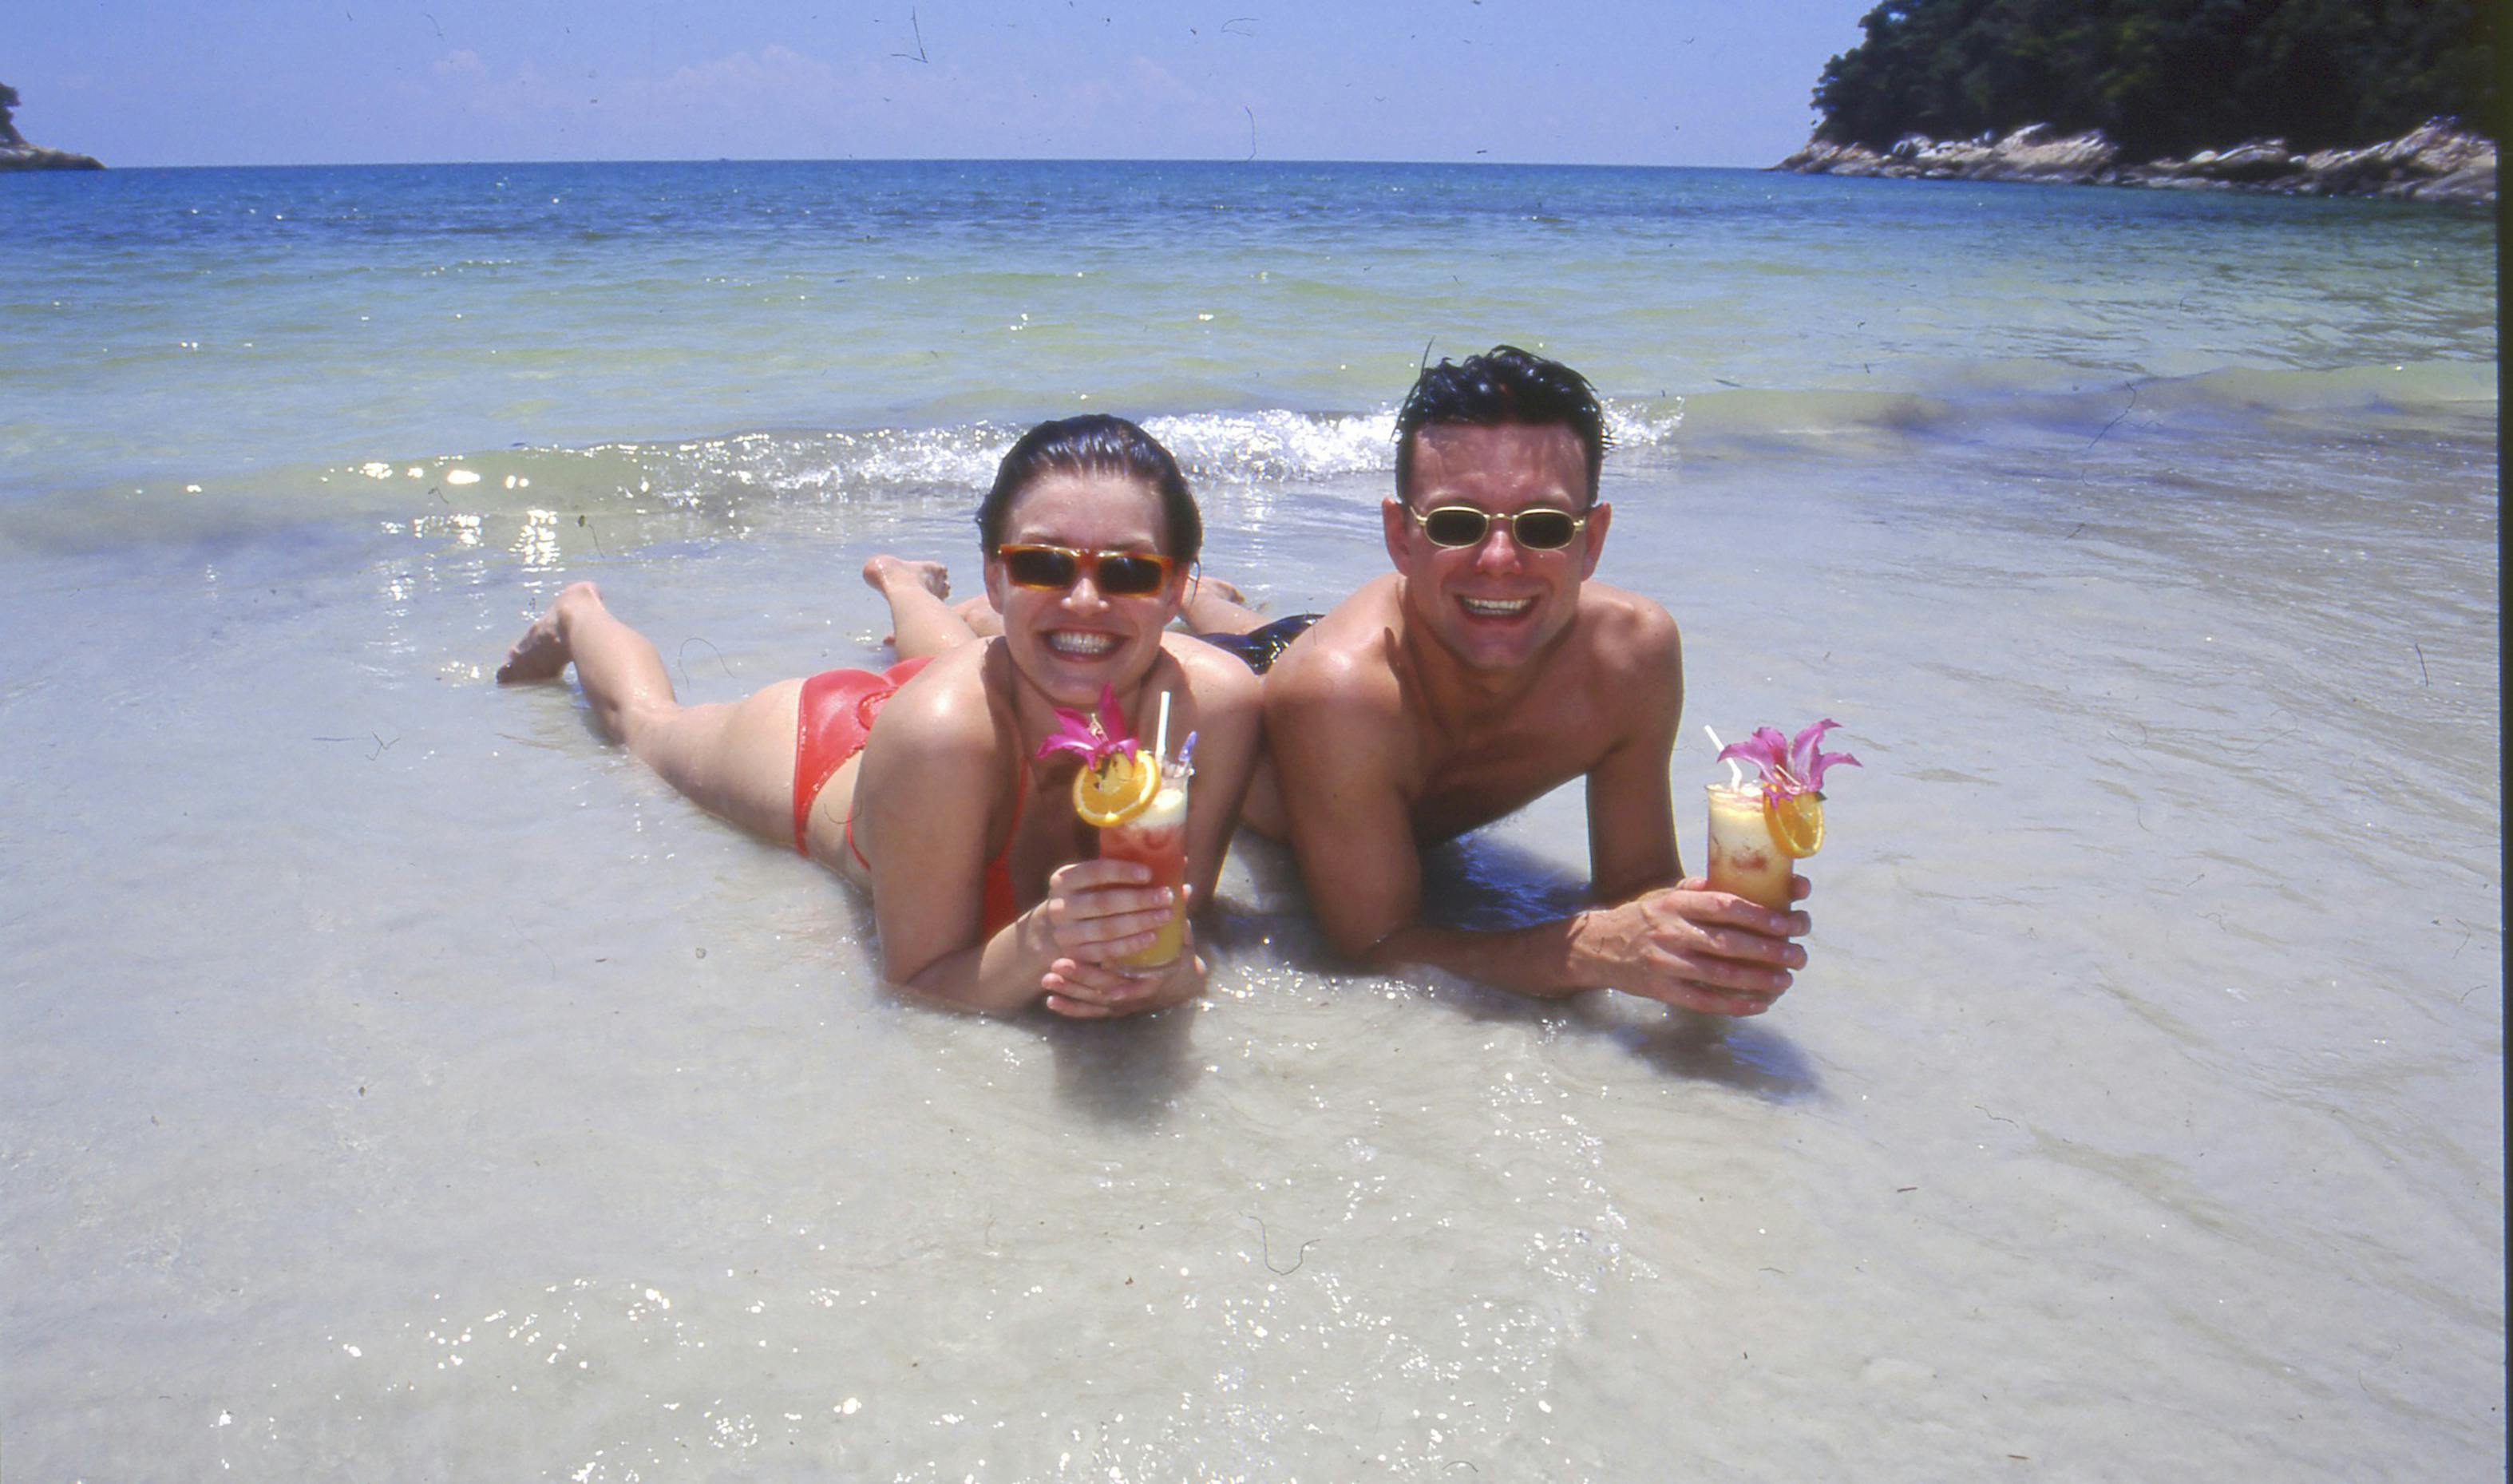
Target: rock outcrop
x,y
16,154
36,157
2438,162
2031,155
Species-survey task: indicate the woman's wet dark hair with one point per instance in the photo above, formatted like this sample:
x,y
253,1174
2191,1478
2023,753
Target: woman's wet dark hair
x,y
1094,444
1502,386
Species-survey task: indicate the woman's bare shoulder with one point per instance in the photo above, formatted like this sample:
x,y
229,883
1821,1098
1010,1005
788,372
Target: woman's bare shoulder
x,y
1220,682
943,713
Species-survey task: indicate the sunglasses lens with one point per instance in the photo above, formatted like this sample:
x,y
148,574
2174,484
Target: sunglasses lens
x,y
1039,567
1132,576
1545,529
1456,526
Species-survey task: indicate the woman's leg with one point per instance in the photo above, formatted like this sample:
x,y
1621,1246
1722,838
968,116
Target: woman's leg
x,y
979,613
734,759
1217,607
1213,607
922,623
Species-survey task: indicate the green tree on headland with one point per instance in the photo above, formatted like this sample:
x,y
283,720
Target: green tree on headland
x,y
7,105
2163,76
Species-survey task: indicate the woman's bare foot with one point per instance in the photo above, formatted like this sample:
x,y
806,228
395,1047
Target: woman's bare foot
x,y
906,579
541,654
884,570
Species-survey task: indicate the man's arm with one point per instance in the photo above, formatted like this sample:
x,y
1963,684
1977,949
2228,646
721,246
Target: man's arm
x,y
1661,926
1337,731
1631,808
1334,727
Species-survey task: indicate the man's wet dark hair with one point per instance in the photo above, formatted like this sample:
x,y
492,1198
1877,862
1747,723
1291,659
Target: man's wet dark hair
x,y
1094,444
1503,386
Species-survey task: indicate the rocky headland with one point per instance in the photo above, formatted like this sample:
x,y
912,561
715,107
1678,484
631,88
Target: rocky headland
x,y
16,154
21,155
2438,162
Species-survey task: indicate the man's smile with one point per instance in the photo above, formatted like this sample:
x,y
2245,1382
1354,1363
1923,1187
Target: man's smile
x,y
1495,608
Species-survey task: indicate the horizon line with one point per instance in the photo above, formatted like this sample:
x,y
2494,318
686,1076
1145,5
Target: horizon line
x,y
111,168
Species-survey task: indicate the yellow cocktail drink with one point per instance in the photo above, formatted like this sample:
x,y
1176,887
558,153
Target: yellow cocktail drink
x,y
1759,829
1744,858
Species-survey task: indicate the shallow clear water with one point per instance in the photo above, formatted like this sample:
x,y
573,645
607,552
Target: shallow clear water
x,y
400,1082
192,325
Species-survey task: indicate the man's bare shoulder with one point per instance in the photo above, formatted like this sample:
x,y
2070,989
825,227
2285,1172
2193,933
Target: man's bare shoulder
x,y
1626,635
1344,659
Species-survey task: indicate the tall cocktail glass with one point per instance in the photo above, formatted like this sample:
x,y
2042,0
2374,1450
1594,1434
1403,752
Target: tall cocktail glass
x,y
1157,838
1757,830
1744,858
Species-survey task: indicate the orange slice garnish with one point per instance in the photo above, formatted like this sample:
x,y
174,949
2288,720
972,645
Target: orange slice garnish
x,y
1116,790
1797,822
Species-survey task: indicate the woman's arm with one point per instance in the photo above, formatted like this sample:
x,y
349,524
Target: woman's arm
x,y
933,780
1228,714
1225,709
1094,910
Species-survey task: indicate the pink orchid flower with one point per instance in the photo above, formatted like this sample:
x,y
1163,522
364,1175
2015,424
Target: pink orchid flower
x,y
1093,738
1790,766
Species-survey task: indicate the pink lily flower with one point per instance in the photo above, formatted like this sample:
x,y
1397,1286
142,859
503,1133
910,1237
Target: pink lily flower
x,y
1095,739
1790,766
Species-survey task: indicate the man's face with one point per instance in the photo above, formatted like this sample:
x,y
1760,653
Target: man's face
x,y
1494,605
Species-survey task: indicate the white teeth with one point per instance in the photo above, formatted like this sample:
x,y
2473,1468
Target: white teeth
x,y
1081,646
1492,608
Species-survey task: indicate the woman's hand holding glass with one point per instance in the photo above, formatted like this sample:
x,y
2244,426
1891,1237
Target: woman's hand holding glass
x,y
1096,913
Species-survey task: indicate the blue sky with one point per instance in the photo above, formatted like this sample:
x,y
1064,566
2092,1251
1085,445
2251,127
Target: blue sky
x,y
252,82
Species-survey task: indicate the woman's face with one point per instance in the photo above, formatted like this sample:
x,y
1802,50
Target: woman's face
x,y
1072,641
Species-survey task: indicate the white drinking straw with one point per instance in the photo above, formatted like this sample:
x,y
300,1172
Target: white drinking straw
x,y
1161,731
1735,774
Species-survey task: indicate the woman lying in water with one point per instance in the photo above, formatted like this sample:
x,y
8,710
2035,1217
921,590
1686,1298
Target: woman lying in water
x,y
925,784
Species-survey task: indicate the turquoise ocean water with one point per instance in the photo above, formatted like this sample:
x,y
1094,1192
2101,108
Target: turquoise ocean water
x,y
397,1082
248,326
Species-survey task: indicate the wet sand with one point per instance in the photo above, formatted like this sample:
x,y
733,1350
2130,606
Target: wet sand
x,y
403,1084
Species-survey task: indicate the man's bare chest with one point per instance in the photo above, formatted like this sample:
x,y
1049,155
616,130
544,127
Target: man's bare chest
x,y
1471,776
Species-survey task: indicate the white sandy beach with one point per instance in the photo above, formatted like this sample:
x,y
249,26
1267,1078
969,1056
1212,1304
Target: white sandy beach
x,y
402,1084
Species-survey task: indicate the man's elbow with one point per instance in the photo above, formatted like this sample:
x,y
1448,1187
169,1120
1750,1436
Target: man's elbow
x,y
1260,809
1368,945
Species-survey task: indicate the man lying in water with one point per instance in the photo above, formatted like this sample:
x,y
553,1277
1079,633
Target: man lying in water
x,y
1486,671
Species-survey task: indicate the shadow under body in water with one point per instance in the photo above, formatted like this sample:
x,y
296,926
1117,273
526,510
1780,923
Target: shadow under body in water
x,y
1129,1071
1487,884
